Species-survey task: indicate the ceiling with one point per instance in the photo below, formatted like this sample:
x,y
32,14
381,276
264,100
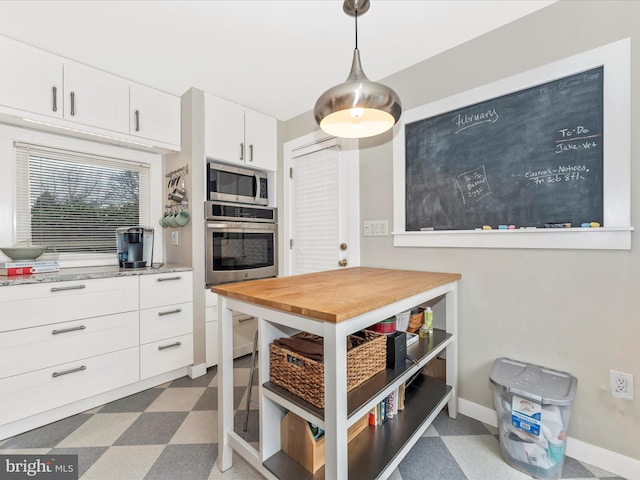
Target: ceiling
x,y
275,57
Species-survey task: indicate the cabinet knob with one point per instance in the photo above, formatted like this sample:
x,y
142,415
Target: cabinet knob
x,y
343,246
342,262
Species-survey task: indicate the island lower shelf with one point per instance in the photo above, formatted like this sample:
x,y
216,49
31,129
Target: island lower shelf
x,y
376,447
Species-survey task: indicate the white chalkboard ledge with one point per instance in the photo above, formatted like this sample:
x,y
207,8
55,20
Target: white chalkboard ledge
x,y
604,238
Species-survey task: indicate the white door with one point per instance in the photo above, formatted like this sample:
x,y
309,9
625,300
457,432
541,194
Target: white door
x,y
321,195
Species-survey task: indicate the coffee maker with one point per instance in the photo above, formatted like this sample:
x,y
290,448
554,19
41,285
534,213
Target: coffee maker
x,y
135,247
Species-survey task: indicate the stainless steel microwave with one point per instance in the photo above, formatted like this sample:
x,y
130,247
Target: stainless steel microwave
x,y
236,184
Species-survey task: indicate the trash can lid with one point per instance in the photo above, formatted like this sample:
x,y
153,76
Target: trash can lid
x,y
540,384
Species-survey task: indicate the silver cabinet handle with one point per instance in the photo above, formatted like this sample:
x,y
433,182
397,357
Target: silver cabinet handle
x,y
67,330
245,318
73,287
251,153
67,372
162,347
241,150
177,310
54,95
166,279
137,120
73,104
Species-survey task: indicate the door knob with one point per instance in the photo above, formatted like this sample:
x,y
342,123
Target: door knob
x,y
342,262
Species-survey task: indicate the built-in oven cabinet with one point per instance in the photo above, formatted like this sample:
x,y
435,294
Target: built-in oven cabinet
x,y
244,329
237,135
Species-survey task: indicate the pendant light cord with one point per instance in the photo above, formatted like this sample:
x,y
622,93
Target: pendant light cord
x,y
356,18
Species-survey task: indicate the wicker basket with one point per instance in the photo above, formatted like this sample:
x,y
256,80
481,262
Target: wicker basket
x,y
304,377
415,321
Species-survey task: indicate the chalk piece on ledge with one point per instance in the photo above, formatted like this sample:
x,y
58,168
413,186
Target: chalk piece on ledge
x,y
558,225
502,227
427,229
594,224
586,225
487,227
512,227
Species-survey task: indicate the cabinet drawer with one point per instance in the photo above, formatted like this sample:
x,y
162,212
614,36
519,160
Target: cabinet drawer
x,y
39,347
166,322
35,392
26,306
166,289
244,330
166,355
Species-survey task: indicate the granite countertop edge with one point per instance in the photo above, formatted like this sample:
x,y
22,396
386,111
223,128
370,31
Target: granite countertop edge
x,y
88,273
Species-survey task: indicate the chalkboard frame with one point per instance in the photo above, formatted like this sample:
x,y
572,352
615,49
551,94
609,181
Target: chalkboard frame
x,y
616,233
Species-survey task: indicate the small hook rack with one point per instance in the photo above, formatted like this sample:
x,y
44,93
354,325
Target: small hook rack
x,y
180,171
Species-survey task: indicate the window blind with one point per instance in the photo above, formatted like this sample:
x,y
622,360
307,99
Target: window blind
x,y
73,201
316,216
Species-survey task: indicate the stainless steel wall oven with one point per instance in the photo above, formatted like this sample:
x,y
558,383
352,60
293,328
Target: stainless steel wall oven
x,y
241,243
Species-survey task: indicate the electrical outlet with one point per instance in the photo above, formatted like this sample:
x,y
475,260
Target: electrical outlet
x,y
174,238
621,384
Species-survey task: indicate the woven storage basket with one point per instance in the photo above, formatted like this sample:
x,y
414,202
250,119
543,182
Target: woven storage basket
x,y
415,321
304,377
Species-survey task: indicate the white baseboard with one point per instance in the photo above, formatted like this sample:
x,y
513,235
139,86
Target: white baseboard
x,y
195,371
608,460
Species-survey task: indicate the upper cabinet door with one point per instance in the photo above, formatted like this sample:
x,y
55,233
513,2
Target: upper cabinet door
x,y
224,130
260,134
154,115
30,81
96,98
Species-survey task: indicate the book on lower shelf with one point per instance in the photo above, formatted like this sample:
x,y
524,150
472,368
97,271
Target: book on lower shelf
x,y
387,408
28,268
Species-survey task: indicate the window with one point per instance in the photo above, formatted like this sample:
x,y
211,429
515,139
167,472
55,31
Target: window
x,y
73,202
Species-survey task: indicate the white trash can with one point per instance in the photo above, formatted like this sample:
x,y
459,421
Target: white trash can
x,y
533,405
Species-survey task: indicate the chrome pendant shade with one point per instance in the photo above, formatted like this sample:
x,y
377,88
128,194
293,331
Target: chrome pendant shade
x,y
357,108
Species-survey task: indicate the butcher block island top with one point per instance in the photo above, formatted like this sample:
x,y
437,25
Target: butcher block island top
x,y
336,295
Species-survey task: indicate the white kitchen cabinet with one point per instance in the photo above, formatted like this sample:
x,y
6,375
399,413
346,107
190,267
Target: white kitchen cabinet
x,y
166,322
154,115
95,98
41,390
29,349
65,341
244,329
30,81
238,135
38,86
25,306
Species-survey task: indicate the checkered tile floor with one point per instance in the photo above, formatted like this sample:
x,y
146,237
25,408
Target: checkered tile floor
x,y
170,432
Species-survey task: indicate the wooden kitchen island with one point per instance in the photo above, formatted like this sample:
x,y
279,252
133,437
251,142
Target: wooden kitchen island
x,y
333,305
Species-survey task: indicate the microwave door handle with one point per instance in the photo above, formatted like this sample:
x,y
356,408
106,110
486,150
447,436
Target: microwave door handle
x,y
256,179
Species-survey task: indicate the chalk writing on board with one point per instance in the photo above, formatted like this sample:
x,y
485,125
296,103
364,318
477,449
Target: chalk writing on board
x,y
528,158
473,185
469,120
584,141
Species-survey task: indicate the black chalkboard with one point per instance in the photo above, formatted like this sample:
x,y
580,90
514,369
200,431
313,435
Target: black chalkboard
x,y
529,158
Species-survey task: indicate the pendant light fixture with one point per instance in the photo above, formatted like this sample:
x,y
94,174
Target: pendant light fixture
x,y
357,108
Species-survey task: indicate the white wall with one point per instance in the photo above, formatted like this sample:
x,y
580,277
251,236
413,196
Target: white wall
x,y
566,309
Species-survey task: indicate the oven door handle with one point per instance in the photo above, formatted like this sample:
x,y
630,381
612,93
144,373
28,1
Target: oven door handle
x,y
244,226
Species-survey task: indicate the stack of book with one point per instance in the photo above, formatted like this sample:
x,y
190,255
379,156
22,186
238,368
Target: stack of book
x,y
27,267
